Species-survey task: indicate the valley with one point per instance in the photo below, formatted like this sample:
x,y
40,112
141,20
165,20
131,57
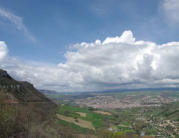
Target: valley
x,y
89,69
123,114
27,112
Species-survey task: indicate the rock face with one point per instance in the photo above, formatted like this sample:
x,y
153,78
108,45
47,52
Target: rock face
x,y
3,73
22,91
23,109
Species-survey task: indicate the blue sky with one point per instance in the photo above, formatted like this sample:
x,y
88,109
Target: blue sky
x,y
57,24
55,40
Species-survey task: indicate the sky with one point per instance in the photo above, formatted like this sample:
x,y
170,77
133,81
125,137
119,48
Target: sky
x,y
91,45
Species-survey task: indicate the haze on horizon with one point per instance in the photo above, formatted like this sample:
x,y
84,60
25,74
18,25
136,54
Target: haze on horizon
x,y
91,45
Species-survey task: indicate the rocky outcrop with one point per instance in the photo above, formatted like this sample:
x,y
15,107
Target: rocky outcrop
x,y
22,91
3,73
11,86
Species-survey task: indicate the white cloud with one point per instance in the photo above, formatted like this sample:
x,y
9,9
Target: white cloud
x,y
119,62
171,9
3,50
17,21
126,37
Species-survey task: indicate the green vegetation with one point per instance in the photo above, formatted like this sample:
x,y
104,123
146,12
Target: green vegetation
x,y
148,121
96,119
73,126
121,123
23,113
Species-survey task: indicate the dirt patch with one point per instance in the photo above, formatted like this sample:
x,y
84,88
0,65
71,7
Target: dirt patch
x,y
81,114
102,112
86,136
78,121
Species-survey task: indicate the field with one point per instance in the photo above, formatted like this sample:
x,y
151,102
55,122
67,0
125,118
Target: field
x,y
159,117
76,121
81,114
93,122
102,112
77,113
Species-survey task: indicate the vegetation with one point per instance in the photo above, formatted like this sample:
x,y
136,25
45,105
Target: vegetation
x,y
24,114
151,121
96,118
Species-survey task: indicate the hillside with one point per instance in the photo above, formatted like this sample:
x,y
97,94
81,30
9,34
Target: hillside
x,y
23,107
22,91
27,113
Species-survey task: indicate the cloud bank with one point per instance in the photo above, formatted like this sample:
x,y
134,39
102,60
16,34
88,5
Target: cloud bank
x,y
117,62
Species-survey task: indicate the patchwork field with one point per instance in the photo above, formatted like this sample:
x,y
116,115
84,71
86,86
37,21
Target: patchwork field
x,y
159,117
76,121
83,117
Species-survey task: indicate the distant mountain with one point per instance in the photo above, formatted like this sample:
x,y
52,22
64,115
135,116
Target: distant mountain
x,y
48,91
109,91
53,92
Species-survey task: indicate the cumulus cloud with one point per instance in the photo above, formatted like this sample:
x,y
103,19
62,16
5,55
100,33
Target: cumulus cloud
x,y
17,21
3,50
117,62
171,9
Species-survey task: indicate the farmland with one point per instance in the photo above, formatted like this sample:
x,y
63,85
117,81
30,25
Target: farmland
x,y
76,121
96,119
93,122
155,115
